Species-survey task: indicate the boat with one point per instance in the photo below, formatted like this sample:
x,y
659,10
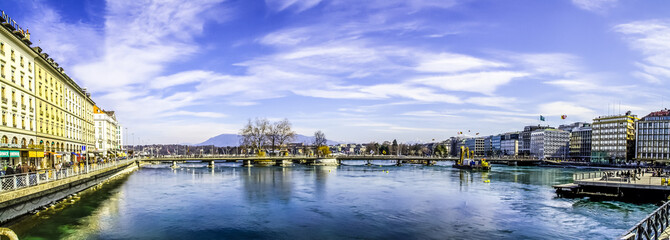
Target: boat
x,y
467,162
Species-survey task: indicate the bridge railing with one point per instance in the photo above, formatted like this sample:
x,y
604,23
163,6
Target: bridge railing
x,y
23,180
652,226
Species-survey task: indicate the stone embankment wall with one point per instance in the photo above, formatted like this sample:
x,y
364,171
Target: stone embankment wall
x,y
22,201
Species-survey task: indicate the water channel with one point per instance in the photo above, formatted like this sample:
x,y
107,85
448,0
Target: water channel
x,y
353,201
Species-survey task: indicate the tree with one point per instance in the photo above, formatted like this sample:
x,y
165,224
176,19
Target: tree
x,y
319,139
254,134
323,151
285,133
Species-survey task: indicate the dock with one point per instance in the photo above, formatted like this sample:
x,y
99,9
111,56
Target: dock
x,y
623,184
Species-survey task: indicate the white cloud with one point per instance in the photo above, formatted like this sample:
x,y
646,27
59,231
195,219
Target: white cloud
x,y
650,38
595,5
195,114
573,110
449,63
299,5
479,82
427,113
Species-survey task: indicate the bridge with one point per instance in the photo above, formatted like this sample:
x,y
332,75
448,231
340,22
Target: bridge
x,y
334,160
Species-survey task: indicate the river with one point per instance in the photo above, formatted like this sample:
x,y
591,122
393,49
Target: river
x,y
344,202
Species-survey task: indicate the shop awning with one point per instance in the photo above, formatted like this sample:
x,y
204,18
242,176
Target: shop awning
x,y
14,154
35,154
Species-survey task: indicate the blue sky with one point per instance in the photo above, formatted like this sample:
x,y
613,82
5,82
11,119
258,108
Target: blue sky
x,y
415,70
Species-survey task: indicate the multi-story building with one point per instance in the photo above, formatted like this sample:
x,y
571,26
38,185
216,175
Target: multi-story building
x,y
119,136
495,145
106,132
488,151
653,136
509,144
456,144
17,67
476,145
524,148
580,143
549,144
64,112
570,127
613,138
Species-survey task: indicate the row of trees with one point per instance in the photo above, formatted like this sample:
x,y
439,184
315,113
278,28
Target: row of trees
x,y
393,148
262,136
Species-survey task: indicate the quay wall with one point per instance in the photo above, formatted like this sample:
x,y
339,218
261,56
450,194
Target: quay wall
x,y
22,201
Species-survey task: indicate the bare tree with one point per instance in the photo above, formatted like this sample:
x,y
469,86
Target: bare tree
x,y
279,133
286,134
254,134
319,139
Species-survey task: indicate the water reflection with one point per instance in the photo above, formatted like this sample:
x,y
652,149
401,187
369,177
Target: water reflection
x,y
370,202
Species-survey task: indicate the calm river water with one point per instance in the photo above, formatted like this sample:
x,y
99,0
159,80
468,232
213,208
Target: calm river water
x,y
307,202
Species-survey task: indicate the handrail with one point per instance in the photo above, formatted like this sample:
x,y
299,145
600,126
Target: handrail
x,y
650,227
23,180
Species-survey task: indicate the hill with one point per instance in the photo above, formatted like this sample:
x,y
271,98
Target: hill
x,y
232,140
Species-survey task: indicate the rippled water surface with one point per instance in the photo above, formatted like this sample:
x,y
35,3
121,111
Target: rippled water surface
x,y
310,202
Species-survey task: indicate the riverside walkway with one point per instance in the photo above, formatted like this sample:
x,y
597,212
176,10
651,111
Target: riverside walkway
x,y
23,193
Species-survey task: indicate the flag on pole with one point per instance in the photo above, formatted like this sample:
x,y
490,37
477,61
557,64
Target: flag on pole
x,y
541,118
564,116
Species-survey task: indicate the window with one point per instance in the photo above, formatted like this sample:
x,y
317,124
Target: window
x,y
13,71
21,61
2,48
13,57
30,67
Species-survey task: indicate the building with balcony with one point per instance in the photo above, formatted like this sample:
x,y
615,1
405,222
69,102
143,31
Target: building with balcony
x,y
613,138
106,133
653,136
580,143
549,144
524,139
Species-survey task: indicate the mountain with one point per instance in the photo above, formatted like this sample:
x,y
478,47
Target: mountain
x,y
232,140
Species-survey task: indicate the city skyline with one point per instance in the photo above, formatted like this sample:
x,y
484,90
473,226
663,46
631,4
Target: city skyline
x,y
182,72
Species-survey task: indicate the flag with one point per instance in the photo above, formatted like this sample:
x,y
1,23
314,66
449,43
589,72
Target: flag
x,y
541,118
564,116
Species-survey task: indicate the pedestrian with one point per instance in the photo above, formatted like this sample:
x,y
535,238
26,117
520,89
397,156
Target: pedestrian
x,y
19,169
9,170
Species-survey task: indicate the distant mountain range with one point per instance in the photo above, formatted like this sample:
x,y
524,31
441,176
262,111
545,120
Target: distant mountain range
x,y
232,140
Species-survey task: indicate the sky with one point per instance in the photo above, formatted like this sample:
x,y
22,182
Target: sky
x,y
360,71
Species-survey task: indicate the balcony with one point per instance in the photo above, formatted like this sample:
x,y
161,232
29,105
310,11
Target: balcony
x,y
41,113
4,100
15,103
23,106
2,52
32,109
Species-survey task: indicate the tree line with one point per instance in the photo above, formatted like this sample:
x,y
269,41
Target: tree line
x,y
261,136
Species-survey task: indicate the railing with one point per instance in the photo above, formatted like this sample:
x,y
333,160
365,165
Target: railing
x,y
22,180
599,174
652,226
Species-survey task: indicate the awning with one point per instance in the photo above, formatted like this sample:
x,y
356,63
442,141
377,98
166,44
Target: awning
x,y
35,154
14,154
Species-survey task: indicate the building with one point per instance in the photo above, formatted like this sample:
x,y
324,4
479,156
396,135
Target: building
x,y
18,143
495,145
476,145
456,144
570,127
509,144
119,136
525,138
580,143
549,144
653,136
613,138
488,151
106,132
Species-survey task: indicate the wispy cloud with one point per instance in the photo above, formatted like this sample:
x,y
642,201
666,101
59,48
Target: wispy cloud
x,y
651,38
595,5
